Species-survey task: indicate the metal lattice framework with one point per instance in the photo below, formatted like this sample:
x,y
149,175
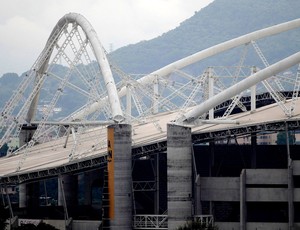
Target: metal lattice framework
x,y
72,88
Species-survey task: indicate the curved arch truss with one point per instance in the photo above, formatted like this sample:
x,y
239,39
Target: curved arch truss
x,y
71,72
73,86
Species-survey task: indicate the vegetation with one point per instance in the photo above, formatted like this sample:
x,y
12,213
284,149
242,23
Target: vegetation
x,y
3,150
195,225
220,21
281,138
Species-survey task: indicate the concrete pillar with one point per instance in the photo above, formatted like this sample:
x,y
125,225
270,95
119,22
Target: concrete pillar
x,y
88,179
22,196
211,171
29,195
70,183
253,150
120,176
243,214
179,170
198,207
290,180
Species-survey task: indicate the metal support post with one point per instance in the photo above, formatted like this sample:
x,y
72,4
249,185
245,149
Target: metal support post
x,y
61,183
253,92
243,214
2,191
253,150
210,91
290,181
46,194
128,102
157,184
156,95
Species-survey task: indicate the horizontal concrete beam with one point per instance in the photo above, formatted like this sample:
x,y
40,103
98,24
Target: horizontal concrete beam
x,y
267,194
220,189
266,176
220,182
296,168
254,225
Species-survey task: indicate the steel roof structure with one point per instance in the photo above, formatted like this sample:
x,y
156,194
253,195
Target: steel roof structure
x,y
52,158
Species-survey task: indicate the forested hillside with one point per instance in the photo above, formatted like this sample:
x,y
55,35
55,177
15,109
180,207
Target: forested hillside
x,y
220,21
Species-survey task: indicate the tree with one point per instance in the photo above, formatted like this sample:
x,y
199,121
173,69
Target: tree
x,y
3,150
281,138
196,225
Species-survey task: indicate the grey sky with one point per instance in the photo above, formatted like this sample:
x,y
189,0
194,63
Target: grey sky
x,y
26,24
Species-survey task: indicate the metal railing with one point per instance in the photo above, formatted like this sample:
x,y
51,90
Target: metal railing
x,y
150,222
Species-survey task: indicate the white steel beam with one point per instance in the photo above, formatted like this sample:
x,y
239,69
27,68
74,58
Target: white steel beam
x,y
240,87
148,79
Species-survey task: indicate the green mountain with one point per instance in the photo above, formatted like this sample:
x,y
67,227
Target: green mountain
x,y
220,21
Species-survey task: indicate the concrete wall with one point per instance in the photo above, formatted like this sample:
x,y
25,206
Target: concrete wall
x,y
228,188
267,194
296,168
266,176
220,188
259,185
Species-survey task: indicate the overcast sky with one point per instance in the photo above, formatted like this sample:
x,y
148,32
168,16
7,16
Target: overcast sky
x,y
26,24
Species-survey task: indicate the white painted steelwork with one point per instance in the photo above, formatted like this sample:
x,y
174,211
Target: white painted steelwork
x,y
240,87
101,58
150,222
150,78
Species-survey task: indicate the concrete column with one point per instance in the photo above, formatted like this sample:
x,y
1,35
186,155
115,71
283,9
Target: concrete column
x,y
29,195
211,158
290,180
70,190
88,180
253,150
198,208
179,171
120,176
243,214
22,196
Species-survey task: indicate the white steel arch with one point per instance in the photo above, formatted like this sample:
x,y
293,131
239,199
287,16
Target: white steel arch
x,y
211,51
117,114
74,44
